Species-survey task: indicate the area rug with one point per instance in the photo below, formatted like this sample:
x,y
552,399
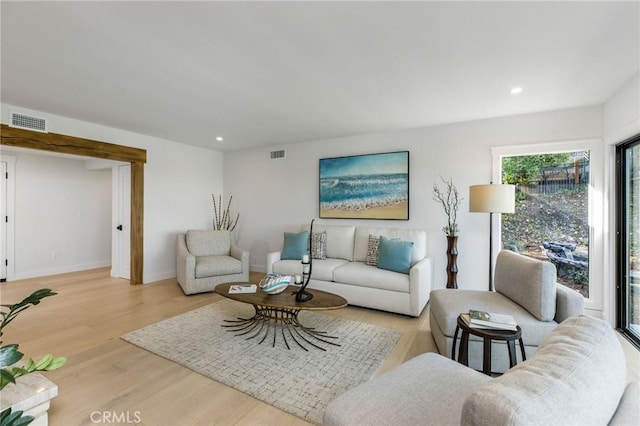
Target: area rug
x,y
298,382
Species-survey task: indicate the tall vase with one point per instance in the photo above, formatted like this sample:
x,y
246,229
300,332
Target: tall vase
x,y
452,256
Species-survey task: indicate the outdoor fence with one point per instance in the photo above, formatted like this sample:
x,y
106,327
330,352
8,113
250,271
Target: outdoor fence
x,y
559,178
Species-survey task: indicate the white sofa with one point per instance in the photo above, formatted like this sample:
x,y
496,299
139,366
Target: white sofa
x,y
578,376
345,273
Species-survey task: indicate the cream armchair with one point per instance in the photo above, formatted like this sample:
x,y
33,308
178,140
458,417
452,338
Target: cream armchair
x,y
526,288
208,258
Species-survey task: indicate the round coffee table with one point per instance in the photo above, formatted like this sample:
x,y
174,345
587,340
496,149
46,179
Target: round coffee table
x,y
277,315
487,335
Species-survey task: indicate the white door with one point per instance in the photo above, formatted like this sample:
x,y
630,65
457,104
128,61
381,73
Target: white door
x,y
123,227
3,220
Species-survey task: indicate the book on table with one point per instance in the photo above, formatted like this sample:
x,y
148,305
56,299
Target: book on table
x,y
467,320
482,319
242,288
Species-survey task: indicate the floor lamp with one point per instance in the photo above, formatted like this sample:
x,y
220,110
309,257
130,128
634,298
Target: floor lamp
x,y
492,199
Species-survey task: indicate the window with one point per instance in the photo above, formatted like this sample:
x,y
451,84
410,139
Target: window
x,y
628,231
571,234
551,220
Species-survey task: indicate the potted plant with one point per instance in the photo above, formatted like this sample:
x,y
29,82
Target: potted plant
x,y
450,200
10,355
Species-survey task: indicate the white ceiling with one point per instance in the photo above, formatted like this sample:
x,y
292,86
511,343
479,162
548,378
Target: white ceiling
x,y
270,73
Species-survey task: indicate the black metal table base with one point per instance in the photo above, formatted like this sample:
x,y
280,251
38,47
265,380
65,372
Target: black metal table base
x,y
270,324
487,335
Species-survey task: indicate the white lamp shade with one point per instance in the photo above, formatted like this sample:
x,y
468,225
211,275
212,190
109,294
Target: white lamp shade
x,y
492,198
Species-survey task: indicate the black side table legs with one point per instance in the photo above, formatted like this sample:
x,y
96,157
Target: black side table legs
x,y
487,335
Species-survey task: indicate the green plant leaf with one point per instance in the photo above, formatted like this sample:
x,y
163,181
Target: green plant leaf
x,y
17,371
7,418
31,366
9,355
44,362
6,377
33,299
23,421
56,363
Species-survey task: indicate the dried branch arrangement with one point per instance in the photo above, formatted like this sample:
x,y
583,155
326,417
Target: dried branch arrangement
x,y
222,219
450,202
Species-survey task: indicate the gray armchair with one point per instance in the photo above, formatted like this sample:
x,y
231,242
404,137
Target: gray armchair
x,y
208,258
526,288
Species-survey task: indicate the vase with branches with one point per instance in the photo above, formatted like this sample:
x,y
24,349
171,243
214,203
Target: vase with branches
x,y
222,216
450,200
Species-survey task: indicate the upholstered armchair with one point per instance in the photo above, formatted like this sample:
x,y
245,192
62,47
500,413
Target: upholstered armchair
x,y
525,288
208,258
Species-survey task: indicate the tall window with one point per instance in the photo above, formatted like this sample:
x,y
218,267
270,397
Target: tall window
x,y
551,219
628,224
562,202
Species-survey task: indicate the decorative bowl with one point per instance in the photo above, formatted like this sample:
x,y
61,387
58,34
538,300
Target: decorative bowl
x,y
274,283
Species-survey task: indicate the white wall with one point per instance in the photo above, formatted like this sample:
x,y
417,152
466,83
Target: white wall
x,y
179,181
621,121
278,195
622,112
62,216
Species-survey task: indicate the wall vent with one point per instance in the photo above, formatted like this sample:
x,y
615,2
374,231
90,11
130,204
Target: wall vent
x,y
28,122
277,154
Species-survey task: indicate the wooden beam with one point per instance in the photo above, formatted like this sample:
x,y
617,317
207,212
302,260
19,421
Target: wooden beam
x,y
54,142
137,222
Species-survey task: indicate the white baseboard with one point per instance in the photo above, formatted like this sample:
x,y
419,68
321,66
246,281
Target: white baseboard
x,y
60,270
152,278
258,268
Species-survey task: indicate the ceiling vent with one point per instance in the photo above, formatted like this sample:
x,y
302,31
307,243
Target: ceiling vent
x,y
28,122
277,154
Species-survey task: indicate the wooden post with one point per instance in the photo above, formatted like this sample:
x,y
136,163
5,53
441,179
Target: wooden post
x,y
137,222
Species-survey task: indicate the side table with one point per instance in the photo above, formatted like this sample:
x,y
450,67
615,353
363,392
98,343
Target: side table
x,y
487,335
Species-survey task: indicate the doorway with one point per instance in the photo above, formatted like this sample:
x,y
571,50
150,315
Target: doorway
x,y
628,227
121,259
7,216
39,163
4,218
85,147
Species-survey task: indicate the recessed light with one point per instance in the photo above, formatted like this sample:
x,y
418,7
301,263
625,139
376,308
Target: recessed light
x,y
219,138
516,90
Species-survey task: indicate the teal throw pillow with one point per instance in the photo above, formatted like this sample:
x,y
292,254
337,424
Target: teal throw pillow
x,y
395,255
295,245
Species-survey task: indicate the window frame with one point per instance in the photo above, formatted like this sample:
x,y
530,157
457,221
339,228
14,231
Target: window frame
x,y
595,301
622,323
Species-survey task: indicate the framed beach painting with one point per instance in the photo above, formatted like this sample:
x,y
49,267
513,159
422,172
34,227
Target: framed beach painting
x,y
371,186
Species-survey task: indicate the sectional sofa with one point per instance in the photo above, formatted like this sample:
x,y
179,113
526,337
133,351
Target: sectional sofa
x,y
577,377
346,271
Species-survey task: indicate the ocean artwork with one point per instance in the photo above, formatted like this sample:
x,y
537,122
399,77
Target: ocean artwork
x,y
373,186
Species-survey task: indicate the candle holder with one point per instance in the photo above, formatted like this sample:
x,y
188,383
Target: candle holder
x,y
307,262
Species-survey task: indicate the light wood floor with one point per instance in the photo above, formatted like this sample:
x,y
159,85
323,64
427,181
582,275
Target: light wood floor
x,y
105,374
